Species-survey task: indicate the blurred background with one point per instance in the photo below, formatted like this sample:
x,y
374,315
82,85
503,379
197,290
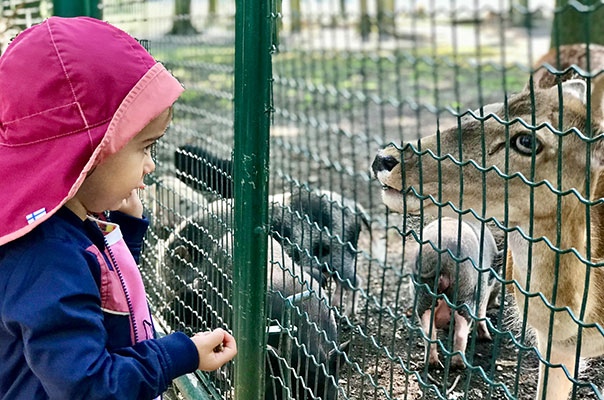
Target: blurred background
x,y
347,77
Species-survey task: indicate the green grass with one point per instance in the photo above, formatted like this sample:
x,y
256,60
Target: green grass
x,y
205,68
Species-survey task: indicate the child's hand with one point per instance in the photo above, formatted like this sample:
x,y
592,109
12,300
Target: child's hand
x,y
132,205
215,349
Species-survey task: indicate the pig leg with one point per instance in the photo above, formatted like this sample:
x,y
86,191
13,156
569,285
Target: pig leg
x,y
483,330
460,340
431,350
344,296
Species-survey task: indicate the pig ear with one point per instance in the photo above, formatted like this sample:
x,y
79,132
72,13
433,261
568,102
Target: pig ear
x,y
411,250
576,88
364,216
338,357
182,252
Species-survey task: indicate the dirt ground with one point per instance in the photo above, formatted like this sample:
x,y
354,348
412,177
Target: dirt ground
x,y
387,317
385,356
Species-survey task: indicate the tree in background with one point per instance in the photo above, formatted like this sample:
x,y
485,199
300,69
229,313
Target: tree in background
x,y
365,22
182,18
385,17
518,12
572,26
296,15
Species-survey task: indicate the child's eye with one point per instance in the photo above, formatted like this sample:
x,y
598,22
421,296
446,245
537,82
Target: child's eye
x,y
150,150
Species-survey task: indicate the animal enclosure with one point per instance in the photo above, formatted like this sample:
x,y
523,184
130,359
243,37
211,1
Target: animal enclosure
x,y
358,303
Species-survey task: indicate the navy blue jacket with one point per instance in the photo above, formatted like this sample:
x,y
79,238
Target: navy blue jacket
x,y
55,340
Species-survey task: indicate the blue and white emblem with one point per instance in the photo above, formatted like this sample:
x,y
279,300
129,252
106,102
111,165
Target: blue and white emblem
x,y
36,215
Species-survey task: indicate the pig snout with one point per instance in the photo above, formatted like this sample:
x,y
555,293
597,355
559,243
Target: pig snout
x,y
442,314
443,284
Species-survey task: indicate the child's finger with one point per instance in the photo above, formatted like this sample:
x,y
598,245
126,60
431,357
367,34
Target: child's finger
x,y
228,348
213,338
229,342
225,355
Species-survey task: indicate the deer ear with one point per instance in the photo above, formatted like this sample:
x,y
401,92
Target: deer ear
x,y
576,88
597,156
597,98
597,115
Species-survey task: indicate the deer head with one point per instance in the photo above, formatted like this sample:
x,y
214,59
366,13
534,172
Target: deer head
x,y
538,137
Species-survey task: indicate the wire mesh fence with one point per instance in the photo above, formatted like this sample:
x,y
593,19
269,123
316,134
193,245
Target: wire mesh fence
x,y
353,300
351,77
187,265
472,261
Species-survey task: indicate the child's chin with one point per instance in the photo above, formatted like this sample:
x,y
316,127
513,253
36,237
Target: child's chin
x,y
115,207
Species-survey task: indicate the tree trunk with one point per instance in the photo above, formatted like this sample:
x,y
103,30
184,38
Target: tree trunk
x,y
182,18
336,17
212,7
571,26
516,17
365,22
385,15
296,16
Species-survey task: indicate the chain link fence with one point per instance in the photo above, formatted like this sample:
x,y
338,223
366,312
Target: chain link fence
x,y
470,264
353,300
187,265
353,77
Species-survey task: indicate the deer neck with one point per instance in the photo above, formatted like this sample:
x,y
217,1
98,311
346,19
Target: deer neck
x,y
560,277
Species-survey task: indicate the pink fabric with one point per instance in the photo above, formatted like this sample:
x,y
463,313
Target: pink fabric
x,y
114,294
72,91
113,300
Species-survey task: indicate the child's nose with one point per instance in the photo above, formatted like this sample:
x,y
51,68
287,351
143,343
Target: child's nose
x,y
149,165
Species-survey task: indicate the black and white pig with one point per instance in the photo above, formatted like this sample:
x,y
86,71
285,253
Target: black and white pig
x,y
319,229
456,268
303,334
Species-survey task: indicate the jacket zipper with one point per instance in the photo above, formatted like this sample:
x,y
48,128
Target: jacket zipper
x,y
123,282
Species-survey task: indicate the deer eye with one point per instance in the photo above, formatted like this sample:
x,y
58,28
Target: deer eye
x,y
524,143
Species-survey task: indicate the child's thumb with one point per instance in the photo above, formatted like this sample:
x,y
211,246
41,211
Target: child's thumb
x,y
215,337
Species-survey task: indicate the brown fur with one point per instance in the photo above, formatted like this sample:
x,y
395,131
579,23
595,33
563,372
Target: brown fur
x,y
564,272
563,58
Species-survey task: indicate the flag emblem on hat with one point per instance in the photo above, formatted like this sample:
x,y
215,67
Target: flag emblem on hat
x,y
35,215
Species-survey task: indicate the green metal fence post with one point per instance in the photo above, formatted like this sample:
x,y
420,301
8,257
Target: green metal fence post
x,y
252,117
76,8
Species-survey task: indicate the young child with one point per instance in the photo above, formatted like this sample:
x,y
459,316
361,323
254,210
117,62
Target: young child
x,y
81,103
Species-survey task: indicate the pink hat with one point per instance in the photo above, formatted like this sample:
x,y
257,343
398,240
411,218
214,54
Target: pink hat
x,y
72,92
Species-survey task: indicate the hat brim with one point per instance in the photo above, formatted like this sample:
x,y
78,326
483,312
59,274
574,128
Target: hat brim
x,y
44,178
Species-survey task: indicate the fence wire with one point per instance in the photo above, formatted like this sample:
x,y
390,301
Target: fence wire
x,y
471,263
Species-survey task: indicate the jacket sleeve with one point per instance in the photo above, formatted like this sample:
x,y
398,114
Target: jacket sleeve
x,y
52,302
133,230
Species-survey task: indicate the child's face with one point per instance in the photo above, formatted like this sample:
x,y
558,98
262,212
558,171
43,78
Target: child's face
x,y
114,179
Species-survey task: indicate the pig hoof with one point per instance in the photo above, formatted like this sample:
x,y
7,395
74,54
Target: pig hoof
x,y
457,362
435,363
484,334
485,337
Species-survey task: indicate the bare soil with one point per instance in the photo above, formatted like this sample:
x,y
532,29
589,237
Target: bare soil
x,y
387,350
